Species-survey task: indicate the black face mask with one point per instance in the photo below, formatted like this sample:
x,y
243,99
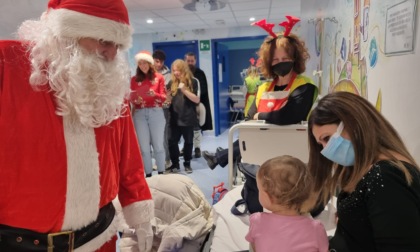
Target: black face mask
x,y
282,68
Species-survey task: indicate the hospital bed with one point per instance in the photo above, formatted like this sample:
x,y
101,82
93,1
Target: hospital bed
x,y
258,142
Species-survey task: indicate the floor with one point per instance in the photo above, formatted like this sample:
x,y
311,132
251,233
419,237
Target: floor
x,y
202,175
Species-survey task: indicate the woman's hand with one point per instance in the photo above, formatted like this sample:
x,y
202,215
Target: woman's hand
x,y
181,86
166,104
151,92
139,100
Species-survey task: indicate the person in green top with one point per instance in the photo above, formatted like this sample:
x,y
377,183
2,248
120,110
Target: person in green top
x,y
252,81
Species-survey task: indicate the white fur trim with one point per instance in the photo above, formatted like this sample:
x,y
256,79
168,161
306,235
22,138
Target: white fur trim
x,y
144,56
73,24
118,211
139,212
83,189
101,239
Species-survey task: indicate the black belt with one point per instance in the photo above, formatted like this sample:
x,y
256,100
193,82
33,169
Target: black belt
x,y
24,240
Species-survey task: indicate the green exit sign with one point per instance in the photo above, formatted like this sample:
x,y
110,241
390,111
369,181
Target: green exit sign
x,y
204,45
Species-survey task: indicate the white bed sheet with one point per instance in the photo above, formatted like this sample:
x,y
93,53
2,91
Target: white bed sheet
x,y
230,231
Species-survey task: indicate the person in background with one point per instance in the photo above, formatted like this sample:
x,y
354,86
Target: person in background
x,y
148,95
354,148
68,145
159,58
191,60
182,90
285,189
283,58
251,82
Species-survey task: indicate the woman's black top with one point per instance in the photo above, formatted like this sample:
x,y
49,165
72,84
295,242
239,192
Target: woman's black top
x,y
381,214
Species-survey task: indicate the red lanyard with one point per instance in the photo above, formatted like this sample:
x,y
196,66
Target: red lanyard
x,y
271,87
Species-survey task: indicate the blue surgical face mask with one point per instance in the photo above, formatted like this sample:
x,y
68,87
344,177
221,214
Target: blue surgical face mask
x,y
339,149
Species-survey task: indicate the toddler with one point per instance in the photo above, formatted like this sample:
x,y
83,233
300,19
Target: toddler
x,y
285,189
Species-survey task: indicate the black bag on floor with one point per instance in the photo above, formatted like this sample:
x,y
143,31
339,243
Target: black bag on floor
x,y
249,191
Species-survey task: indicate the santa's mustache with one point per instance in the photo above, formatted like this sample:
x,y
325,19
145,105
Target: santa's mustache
x,y
87,88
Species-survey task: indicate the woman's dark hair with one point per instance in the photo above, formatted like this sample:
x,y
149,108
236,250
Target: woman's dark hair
x,y
140,76
371,135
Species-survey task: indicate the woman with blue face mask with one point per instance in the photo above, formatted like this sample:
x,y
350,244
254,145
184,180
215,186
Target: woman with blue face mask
x,y
353,148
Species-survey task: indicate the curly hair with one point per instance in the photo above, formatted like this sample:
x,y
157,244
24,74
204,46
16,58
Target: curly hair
x,y
86,88
294,47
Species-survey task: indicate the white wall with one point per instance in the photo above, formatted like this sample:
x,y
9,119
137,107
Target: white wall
x,y
144,42
397,77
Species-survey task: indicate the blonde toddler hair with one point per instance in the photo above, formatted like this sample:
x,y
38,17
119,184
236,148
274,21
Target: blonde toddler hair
x,y
287,181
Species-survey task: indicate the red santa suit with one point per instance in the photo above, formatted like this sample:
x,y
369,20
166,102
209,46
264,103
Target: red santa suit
x,y
53,178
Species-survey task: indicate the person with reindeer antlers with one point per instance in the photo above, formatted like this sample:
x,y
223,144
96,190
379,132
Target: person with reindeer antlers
x,y
251,82
283,57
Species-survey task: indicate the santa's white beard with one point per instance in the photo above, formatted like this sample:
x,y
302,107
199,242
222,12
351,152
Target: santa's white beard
x,y
95,89
88,89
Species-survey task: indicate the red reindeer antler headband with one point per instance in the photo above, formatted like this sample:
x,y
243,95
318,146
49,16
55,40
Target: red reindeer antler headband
x,y
252,61
288,25
268,27
255,62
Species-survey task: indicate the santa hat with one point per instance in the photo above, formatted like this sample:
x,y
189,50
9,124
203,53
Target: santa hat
x,y
144,55
99,19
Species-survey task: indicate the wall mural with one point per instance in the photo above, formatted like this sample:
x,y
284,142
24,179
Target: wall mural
x,y
348,46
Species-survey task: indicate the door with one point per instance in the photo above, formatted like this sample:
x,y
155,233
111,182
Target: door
x,y
177,50
221,90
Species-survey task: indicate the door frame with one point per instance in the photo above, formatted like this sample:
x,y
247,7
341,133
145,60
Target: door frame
x,y
215,67
196,51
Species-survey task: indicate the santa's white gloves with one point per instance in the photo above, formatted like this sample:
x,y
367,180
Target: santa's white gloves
x,y
138,216
144,234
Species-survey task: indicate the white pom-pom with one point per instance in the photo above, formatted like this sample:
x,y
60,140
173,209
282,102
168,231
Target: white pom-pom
x,y
270,104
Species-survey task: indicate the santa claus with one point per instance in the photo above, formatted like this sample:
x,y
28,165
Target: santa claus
x,y
67,143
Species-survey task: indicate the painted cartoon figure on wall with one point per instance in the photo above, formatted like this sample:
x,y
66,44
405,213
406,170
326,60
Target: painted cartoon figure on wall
x,y
345,54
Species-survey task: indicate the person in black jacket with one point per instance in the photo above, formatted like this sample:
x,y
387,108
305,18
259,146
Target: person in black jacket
x,y
191,60
182,92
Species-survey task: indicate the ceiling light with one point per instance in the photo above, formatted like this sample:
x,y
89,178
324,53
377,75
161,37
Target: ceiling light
x,y
251,19
149,21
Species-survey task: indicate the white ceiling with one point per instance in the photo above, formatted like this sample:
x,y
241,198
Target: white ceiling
x,y
168,15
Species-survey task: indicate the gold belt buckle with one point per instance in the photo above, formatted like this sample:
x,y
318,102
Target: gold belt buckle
x,y
51,240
